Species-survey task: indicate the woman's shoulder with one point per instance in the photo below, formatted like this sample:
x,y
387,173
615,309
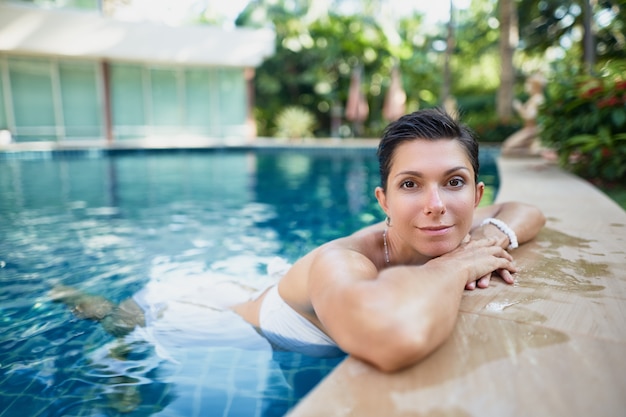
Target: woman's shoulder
x,y
368,231
362,246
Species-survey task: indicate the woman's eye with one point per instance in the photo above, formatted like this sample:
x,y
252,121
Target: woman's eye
x,y
408,184
456,182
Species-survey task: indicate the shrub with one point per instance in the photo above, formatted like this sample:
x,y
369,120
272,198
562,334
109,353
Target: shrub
x,y
478,111
489,128
584,120
295,123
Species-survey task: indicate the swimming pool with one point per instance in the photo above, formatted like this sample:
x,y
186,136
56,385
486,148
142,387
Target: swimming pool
x,y
115,223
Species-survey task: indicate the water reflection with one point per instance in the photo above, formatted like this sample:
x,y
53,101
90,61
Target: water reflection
x,y
562,273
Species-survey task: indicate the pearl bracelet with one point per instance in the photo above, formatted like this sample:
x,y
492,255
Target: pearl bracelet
x,y
504,228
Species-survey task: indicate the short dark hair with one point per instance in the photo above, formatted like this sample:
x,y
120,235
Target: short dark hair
x,y
431,124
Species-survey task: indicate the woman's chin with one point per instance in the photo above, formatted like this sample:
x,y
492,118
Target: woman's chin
x,y
436,250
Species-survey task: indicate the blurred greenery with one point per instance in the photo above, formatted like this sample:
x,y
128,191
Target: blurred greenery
x,y
545,24
294,123
584,120
617,193
317,51
315,59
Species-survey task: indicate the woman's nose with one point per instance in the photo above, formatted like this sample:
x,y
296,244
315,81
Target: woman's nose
x,y
434,204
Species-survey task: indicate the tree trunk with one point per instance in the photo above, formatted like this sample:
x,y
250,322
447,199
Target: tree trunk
x,y
589,45
509,37
446,88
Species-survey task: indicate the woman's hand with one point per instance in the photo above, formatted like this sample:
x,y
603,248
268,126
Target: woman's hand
x,y
490,232
482,257
483,282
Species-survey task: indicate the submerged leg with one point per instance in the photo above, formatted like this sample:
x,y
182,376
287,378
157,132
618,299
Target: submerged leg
x,y
124,318
118,320
83,305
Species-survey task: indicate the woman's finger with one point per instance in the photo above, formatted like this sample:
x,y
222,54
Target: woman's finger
x,y
506,276
483,282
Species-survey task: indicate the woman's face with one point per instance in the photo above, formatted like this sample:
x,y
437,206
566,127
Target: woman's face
x,y
431,195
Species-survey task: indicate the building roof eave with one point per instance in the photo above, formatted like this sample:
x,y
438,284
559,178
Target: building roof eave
x,y
32,30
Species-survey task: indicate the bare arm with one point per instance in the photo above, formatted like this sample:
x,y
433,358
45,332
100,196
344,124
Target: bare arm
x,y
525,220
394,318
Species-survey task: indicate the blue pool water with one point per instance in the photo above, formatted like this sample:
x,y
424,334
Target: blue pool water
x,y
174,224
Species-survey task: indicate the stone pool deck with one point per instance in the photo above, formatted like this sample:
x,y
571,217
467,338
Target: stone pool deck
x,y
552,345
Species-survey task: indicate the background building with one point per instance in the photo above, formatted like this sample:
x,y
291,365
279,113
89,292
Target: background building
x,y
71,75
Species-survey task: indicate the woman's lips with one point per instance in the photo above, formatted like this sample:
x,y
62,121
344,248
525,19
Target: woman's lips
x,y
435,230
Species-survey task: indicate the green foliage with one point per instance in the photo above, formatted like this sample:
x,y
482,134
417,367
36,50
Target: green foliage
x,y
584,120
478,111
489,128
316,52
295,123
616,192
555,23
314,59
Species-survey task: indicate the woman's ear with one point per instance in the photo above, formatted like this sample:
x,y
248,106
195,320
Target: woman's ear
x,y
480,191
382,199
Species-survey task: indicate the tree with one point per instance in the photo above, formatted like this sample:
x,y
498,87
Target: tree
x,y
509,35
315,56
447,77
558,24
589,55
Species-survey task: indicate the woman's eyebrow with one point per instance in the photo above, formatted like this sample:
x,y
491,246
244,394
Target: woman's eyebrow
x,y
451,170
419,174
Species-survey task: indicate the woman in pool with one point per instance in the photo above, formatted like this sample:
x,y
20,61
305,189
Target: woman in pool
x,y
389,294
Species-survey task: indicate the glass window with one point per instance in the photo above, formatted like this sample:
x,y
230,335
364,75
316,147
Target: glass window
x,y
232,100
33,104
51,100
79,95
4,122
127,101
198,96
64,4
165,102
